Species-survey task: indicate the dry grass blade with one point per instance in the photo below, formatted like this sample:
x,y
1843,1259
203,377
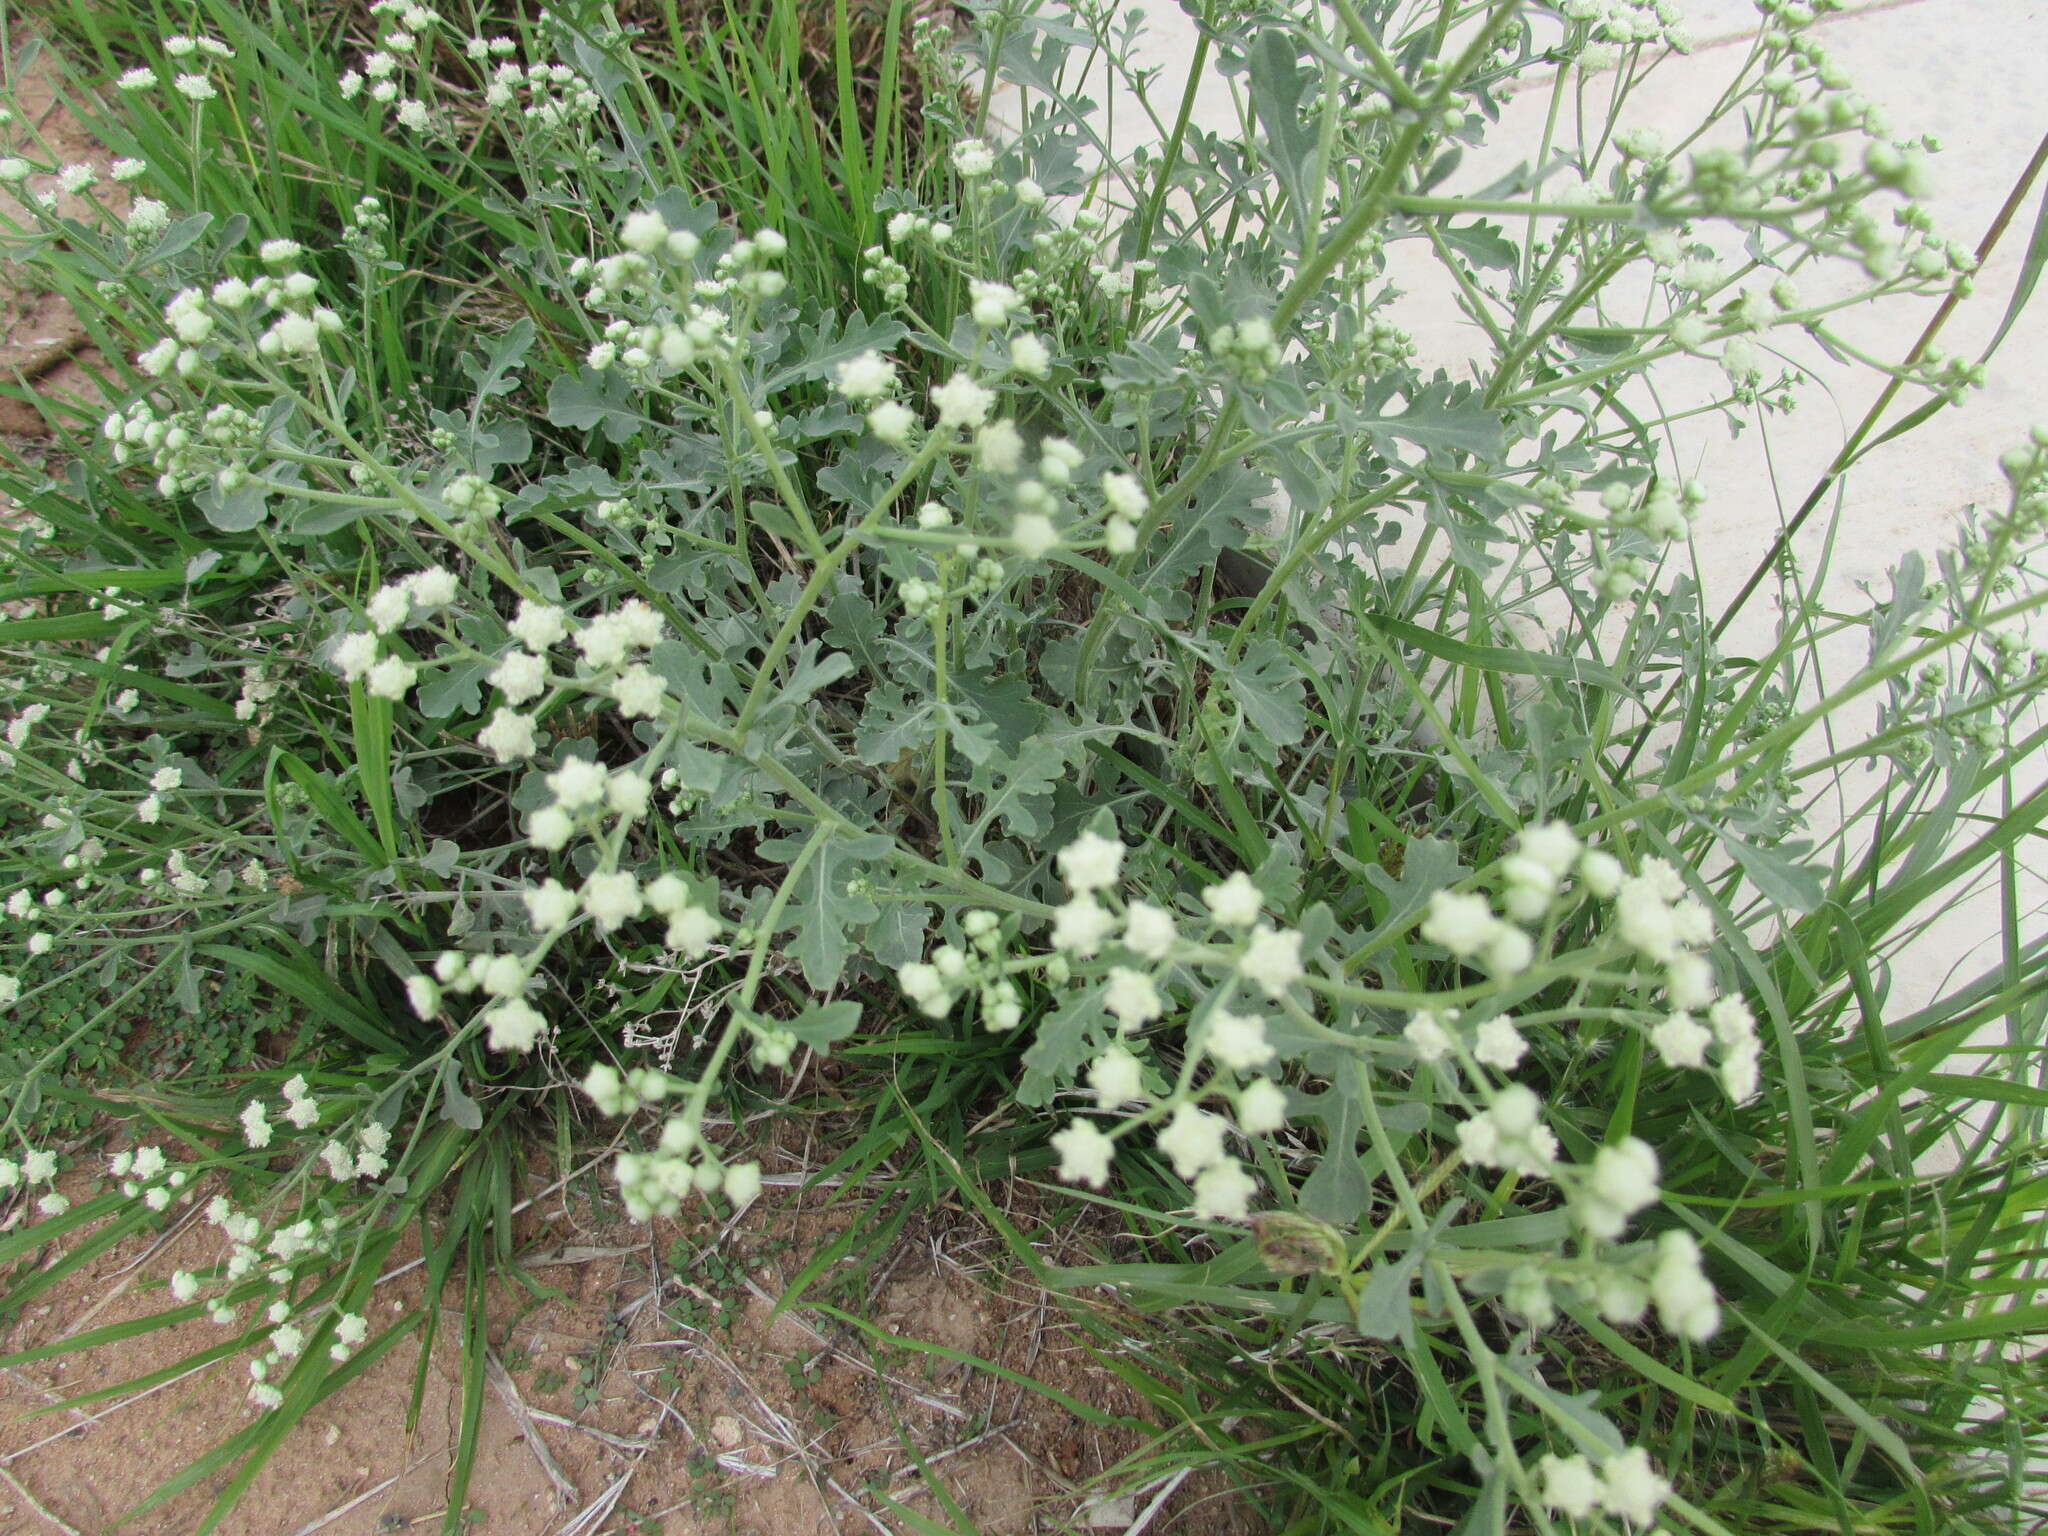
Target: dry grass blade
x,y
508,1393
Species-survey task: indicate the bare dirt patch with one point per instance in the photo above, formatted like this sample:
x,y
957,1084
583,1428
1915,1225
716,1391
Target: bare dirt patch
x,y
43,348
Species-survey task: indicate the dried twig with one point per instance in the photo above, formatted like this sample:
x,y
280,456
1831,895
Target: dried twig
x,y
599,1509
1137,1526
355,1503
501,1383
35,1504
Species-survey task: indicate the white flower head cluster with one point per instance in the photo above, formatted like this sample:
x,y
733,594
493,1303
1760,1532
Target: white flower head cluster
x,y
35,1166
1247,348
551,99
511,1023
1627,1484
655,1183
1243,952
936,985
204,326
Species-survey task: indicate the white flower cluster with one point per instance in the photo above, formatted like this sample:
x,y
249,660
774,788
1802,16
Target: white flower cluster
x,y
189,57
1659,933
1612,25
1626,1484
935,986
1247,348
655,1183
550,98
1235,943
401,56
368,1158
145,1174
35,1166
205,325
1656,923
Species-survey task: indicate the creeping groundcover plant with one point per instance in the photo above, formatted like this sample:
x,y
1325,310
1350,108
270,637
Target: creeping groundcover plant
x,y
600,599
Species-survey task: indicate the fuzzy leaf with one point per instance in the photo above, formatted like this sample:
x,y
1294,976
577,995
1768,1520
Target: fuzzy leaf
x,y
822,907
1443,418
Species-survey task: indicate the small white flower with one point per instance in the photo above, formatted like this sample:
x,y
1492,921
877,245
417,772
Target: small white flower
x,y
1117,1078
1631,1488
550,828
521,676
550,906
612,898
255,1125
1224,1192
514,1025
1681,1040
742,1183
1689,981
1683,1295
992,304
501,976
355,654
961,402
892,421
1570,1486
1623,1182
1081,926
869,376
1132,998
389,608
644,232
1461,922
1234,902
196,88
1030,356
1124,496
1601,872
1091,862
510,737
539,625
1261,1107
626,794
1193,1140
972,158
691,931
640,692
1085,1154
1034,535
999,447
1272,960
1237,1041
1508,951
422,996
1499,1044
1149,931
1426,1033
140,78
434,587
578,783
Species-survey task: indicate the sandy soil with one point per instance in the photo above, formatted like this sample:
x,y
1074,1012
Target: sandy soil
x,y
42,345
